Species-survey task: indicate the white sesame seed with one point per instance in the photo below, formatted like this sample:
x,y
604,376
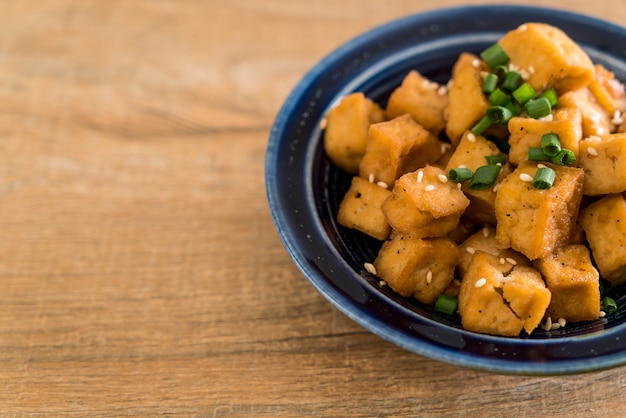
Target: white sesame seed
x,y
602,314
506,279
459,186
430,188
524,74
369,267
617,118
523,27
592,151
420,176
442,91
470,250
547,118
562,322
485,232
511,261
548,324
471,137
526,177
496,187
541,165
442,178
594,138
456,282
382,283
531,69
502,260
383,184
475,63
371,178
480,282
429,276
555,326
462,166
323,123
445,147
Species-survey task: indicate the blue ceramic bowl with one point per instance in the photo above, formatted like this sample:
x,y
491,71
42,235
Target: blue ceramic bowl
x,y
304,190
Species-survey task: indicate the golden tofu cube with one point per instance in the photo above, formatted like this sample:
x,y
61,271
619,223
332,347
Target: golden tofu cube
x,y
470,153
604,161
595,119
346,133
492,303
466,102
396,147
527,132
574,283
604,223
361,209
424,203
608,91
549,56
423,99
536,222
417,267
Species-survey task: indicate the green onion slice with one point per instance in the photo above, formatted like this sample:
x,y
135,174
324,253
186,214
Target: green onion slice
x,y
482,125
495,55
446,304
498,97
490,83
495,159
499,114
511,81
609,305
550,144
550,94
523,93
514,107
484,177
544,178
538,108
460,174
537,154
564,157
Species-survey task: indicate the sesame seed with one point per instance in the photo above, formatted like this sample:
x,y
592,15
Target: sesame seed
x,y
442,178
524,74
471,137
420,176
383,184
442,91
592,151
445,147
555,326
523,27
382,283
507,279
511,261
547,118
562,322
526,177
323,123
470,250
459,186
485,232
475,63
369,267
429,276
495,188
462,166
541,165
371,178
617,118
548,325
456,282
502,260
602,314
531,69
594,138
480,282
430,188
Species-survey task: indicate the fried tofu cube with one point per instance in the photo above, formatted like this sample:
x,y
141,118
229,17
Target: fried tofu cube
x,y
417,267
346,133
361,209
466,102
470,153
485,240
595,119
549,56
574,283
604,223
492,303
536,222
423,99
527,132
608,91
604,161
424,203
396,147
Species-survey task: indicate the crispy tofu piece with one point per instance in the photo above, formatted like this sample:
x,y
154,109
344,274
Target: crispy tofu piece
x,y
595,119
346,133
423,99
396,147
608,91
537,222
549,56
417,267
604,223
466,102
492,303
361,209
470,153
485,240
424,203
604,161
527,132
574,283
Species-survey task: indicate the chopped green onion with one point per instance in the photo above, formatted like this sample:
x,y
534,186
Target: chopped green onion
x,y
482,125
544,178
550,94
446,304
550,144
484,177
490,83
460,174
495,159
564,157
514,107
537,154
499,114
609,305
500,71
498,97
538,108
523,93
511,80
495,55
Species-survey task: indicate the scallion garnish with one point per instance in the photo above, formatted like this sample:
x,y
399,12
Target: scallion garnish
x,y
498,97
482,125
550,94
514,107
494,55
537,154
490,83
484,177
564,157
523,93
495,159
460,174
446,304
550,144
609,305
544,178
511,80
499,114
538,108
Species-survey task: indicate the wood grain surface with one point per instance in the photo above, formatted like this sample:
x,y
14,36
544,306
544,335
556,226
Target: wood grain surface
x,y
140,271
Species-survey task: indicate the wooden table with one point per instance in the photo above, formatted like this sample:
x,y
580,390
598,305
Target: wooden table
x,y
140,271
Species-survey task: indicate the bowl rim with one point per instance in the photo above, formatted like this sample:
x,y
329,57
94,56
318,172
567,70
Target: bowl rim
x,y
342,300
